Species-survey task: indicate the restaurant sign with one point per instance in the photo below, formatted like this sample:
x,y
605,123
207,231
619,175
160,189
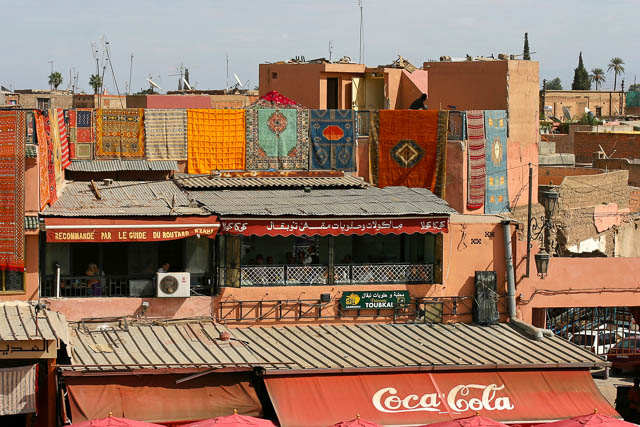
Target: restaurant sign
x,y
332,226
376,300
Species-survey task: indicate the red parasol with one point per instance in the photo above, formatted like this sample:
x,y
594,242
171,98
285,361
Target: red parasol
x,y
594,419
357,422
473,421
235,420
115,421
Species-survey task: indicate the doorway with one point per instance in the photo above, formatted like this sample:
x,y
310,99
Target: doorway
x,y
332,93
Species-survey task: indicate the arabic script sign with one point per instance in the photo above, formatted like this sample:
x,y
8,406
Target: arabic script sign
x,y
378,300
333,226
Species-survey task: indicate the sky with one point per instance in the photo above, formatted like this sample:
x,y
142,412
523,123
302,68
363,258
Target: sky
x,y
162,35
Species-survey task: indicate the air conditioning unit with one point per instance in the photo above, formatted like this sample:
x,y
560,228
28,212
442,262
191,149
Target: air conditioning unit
x,y
173,285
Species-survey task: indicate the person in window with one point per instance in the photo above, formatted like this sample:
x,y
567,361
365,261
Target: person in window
x,y
419,103
259,259
164,268
312,257
94,286
269,260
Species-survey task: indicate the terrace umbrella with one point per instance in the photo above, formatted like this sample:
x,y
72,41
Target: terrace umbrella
x,y
356,422
234,420
473,421
116,422
594,419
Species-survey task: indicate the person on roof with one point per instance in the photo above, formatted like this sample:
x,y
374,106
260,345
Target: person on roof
x,y
419,103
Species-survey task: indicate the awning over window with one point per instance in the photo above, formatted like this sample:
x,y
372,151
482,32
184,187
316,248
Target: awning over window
x,y
332,226
18,390
424,398
157,398
129,230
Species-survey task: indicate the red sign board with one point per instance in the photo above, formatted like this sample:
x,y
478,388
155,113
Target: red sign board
x,y
429,397
332,226
128,230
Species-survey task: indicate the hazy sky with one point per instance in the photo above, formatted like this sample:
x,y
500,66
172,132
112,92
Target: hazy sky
x,y
198,33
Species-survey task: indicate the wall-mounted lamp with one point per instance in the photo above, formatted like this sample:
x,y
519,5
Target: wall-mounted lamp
x,y
536,228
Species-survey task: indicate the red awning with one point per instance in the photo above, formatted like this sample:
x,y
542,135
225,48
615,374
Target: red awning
x,y
332,226
129,230
157,398
424,398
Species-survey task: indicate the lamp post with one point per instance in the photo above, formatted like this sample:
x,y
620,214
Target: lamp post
x,y
544,225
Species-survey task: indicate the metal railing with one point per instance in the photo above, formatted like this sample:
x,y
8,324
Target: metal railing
x,y
362,122
343,274
136,285
419,310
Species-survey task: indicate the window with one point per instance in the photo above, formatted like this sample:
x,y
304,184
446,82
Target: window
x,y
12,281
274,76
44,103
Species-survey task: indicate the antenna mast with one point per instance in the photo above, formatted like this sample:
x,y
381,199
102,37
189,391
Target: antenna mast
x,y
361,56
50,85
227,88
130,71
330,49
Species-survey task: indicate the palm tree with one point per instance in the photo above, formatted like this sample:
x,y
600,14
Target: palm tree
x,y
597,76
95,82
55,79
616,65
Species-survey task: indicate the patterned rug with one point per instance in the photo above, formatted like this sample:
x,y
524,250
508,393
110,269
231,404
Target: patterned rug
x,y
216,140
404,148
274,99
441,155
82,133
457,126
476,160
47,187
332,139
277,139
64,140
497,195
13,130
119,134
165,133
51,125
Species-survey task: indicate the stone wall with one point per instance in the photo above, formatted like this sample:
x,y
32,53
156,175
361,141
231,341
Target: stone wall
x,y
621,164
620,145
591,190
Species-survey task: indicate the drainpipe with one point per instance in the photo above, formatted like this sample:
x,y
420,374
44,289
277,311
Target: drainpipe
x,y
511,281
535,333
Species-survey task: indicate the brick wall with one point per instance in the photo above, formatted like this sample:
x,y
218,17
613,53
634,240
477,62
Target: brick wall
x,y
621,164
634,200
591,190
621,145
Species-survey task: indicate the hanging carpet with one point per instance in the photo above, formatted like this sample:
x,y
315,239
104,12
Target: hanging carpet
x,y
216,140
497,195
120,134
476,160
165,133
332,139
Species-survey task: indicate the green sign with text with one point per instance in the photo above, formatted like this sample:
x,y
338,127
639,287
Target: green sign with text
x,y
373,300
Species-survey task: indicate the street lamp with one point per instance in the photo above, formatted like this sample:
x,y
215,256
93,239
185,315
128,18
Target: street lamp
x,y
536,229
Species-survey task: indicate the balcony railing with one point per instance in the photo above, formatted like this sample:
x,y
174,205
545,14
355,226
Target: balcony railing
x,y
343,274
138,285
362,122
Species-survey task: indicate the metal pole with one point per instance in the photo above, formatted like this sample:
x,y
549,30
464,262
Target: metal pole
x,y
130,71
529,219
57,280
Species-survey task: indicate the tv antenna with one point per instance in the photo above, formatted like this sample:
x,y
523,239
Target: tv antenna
x,y
238,80
330,49
361,58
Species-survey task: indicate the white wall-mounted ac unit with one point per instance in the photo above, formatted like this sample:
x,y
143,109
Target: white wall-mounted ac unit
x,y
173,285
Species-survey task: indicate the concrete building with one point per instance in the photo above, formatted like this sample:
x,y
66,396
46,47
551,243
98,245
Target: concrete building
x,y
44,99
601,103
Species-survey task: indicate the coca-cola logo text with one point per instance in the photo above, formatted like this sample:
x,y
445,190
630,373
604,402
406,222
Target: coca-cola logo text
x,y
461,398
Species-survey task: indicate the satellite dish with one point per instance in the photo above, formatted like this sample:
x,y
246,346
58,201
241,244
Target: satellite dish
x,y
238,80
186,84
566,113
152,83
586,110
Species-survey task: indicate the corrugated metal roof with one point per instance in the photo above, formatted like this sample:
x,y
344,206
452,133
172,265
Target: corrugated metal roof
x,y
368,201
31,151
124,198
18,323
31,223
122,165
194,182
323,347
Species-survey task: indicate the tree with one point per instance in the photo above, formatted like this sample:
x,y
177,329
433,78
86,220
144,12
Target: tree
x,y
634,87
581,79
525,54
616,65
554,84
95,82
597,76
55,79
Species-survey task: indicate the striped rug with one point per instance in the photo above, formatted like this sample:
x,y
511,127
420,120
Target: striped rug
x,y
64,138
165,134
476,160
18,390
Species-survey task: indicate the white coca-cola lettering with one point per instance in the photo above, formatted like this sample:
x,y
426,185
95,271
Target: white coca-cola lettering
x,y
461,398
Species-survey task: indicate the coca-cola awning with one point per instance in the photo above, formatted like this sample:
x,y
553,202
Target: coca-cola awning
x,y
129,230
332,226
422,398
